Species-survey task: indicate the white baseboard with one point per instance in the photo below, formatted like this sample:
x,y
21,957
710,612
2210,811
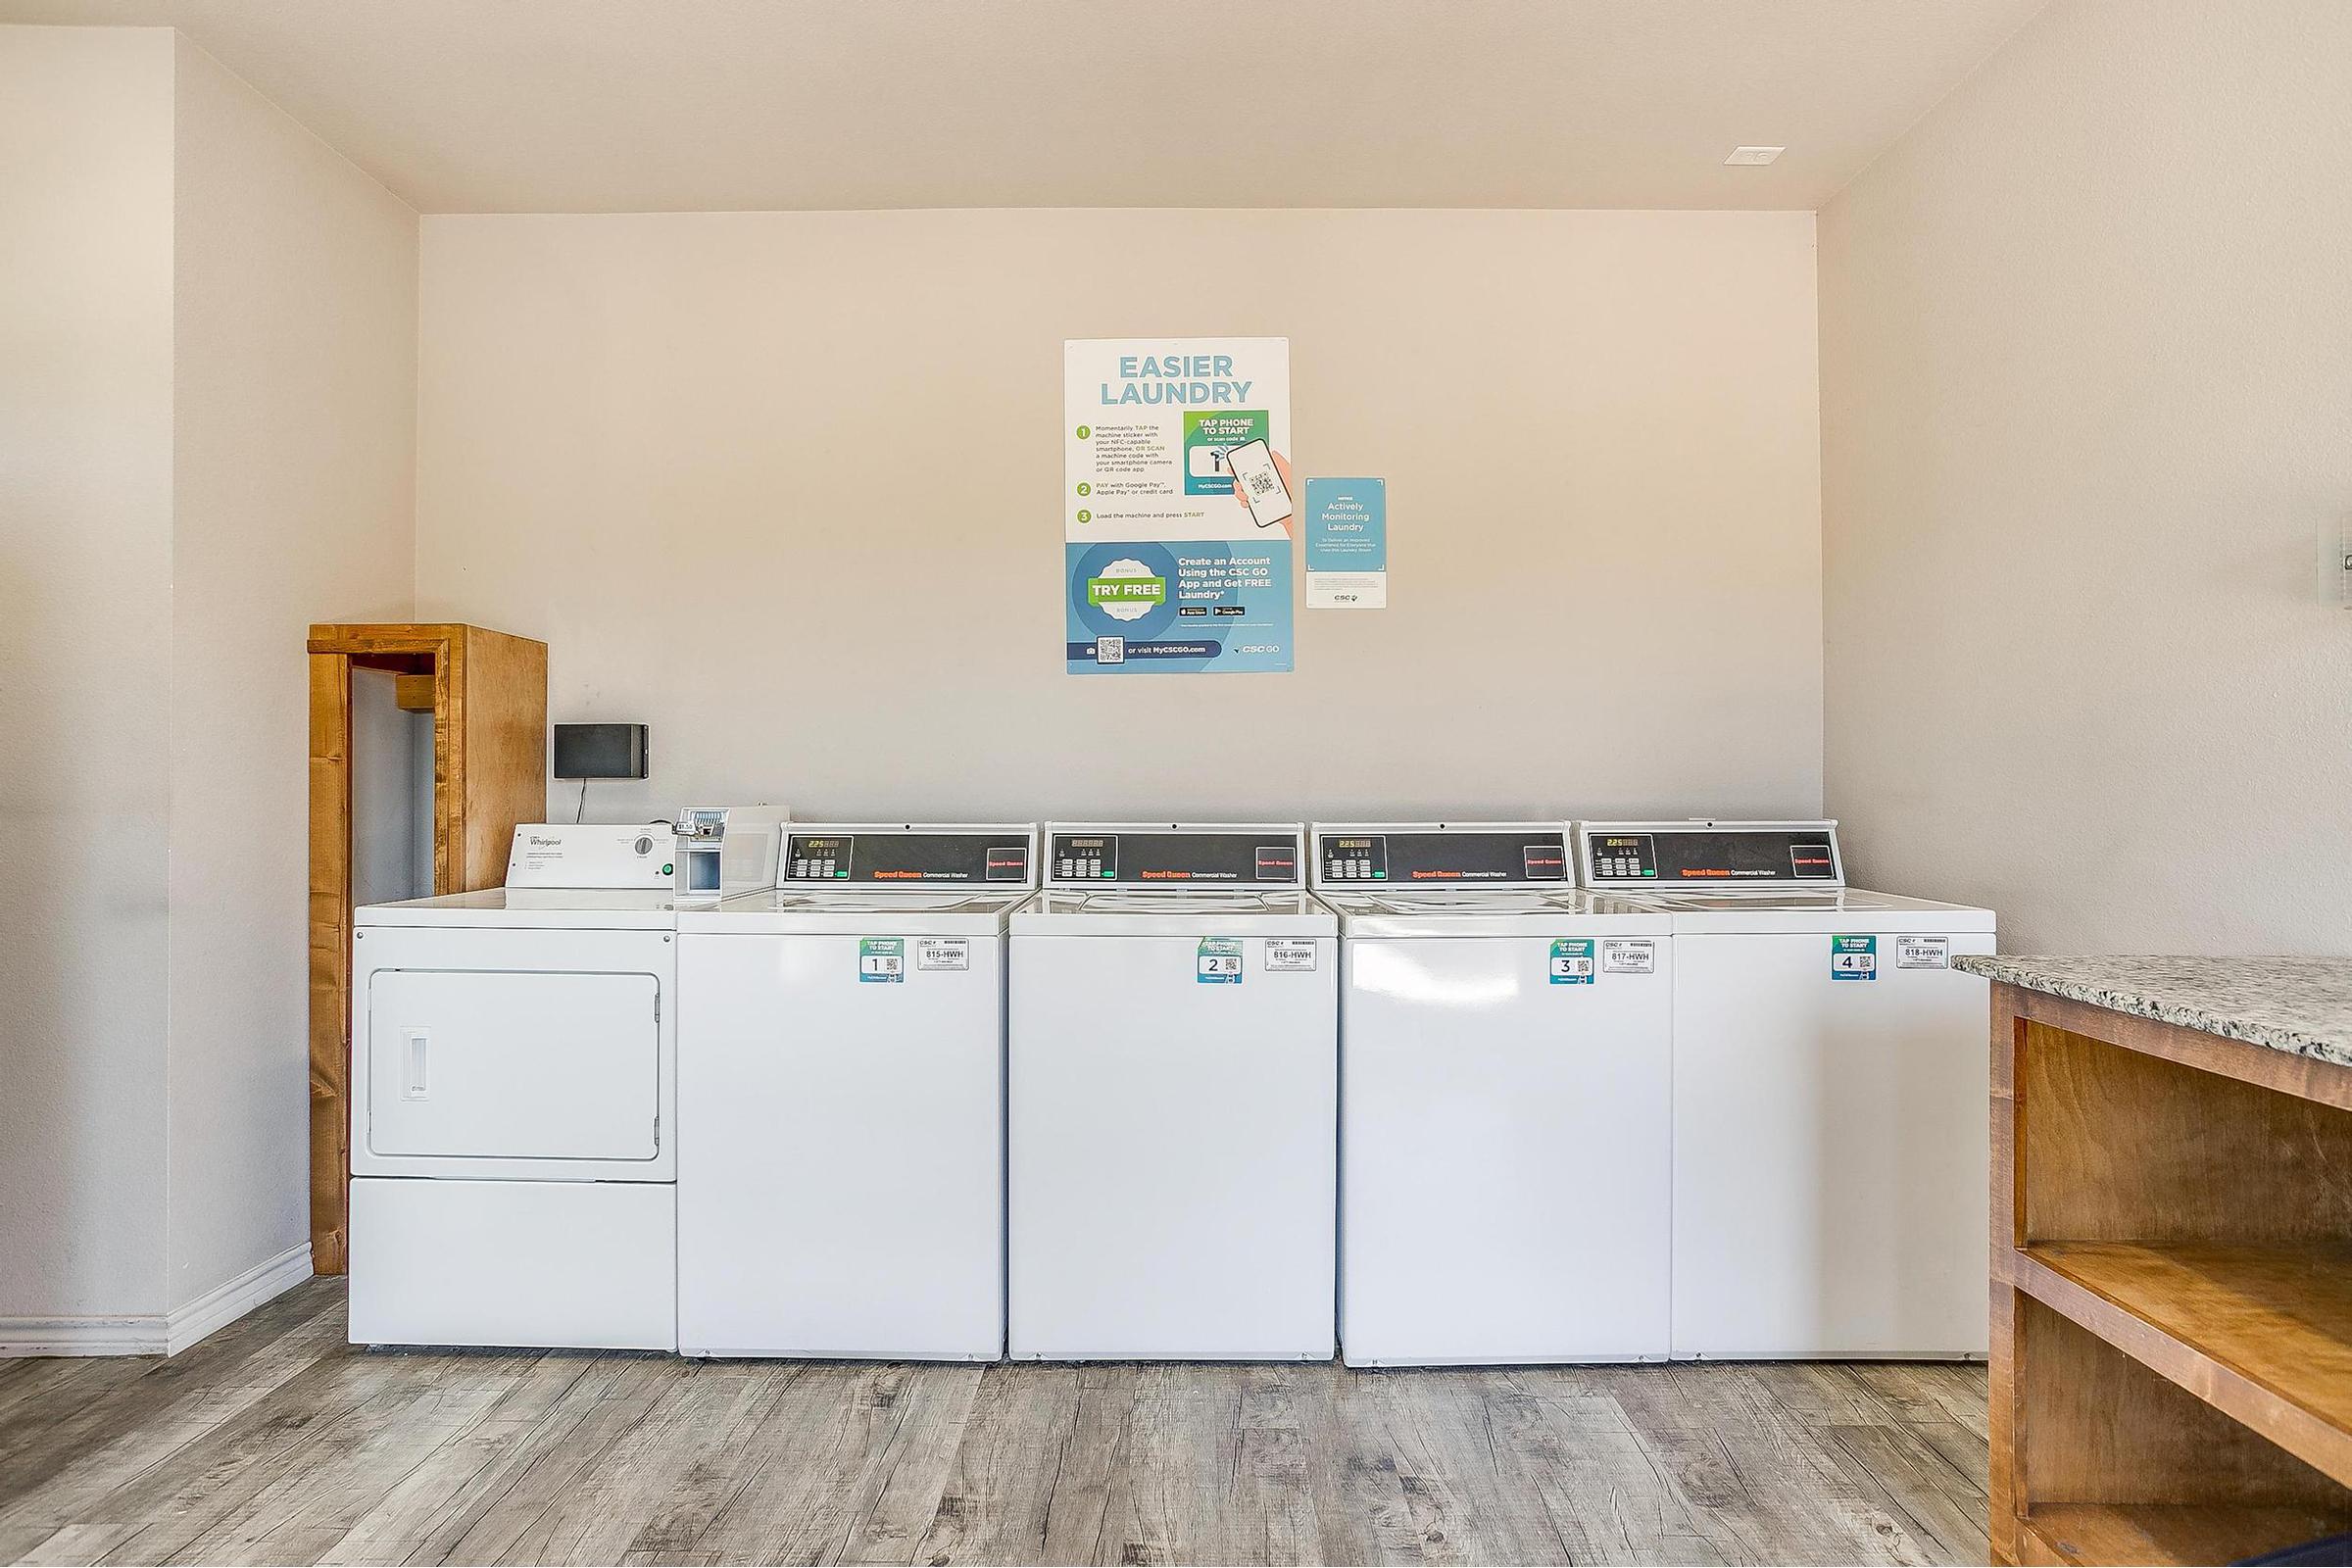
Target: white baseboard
x,y
121,1335
129,1334
224,1304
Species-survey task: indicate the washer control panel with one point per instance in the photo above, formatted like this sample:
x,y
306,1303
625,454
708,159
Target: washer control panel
x,y
1477,855
912,855
1135,856
1706,854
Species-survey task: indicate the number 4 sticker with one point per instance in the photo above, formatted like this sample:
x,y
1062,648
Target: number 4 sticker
x,y
1853,957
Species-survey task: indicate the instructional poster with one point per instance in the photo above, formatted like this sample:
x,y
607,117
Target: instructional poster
x,y
1178,504
1347,544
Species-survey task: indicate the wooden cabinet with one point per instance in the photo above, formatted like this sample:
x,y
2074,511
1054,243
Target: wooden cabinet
x,y
2171,1290
487,693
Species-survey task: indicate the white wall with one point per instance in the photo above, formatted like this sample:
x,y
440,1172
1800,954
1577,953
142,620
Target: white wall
x,y
2087,364
207,400
1599,431
295,316
85,619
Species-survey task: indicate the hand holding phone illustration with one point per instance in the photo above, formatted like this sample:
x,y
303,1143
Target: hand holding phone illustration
x,y
1262,481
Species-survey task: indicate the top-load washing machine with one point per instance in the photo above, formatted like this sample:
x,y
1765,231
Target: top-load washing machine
x,y
514,1103
1505,1132
1830,1078
1173,1088
841,1065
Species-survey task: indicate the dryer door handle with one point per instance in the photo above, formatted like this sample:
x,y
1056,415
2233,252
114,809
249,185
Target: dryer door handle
x,y
414,1060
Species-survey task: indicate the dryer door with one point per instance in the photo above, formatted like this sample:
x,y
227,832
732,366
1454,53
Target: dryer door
x,y
521,1066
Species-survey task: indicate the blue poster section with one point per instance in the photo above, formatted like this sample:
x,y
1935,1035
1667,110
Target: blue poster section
x,y
1178,605
1346,525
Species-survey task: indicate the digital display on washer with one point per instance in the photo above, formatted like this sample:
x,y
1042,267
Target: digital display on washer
x,y
1716,856
1502,855
1152,858
906,858
1623,855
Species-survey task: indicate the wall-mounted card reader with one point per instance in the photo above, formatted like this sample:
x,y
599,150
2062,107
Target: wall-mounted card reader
x,y
601,751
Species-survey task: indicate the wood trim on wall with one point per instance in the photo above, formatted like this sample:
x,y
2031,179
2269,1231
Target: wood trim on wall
x,y
489,701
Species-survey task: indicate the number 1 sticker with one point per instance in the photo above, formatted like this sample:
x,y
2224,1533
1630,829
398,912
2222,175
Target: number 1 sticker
x,y
881,960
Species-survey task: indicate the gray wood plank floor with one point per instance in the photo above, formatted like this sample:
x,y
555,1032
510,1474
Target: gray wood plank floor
x,y
273,1442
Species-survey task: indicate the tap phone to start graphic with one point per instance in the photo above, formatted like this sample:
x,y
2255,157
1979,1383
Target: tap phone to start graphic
x,y
1252,465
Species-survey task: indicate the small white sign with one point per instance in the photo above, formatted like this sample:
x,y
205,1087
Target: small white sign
x,y
1347,590
943,953
1629,956
1923,953
1289,957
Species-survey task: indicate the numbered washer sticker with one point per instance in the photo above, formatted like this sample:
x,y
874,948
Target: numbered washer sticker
x,y
1289,955
881,960
1853,957
1572,962
1629,956
1923,953
943,953
1219,961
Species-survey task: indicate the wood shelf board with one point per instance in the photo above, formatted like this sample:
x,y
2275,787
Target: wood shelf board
x,y
2070,1532
2261,1332
2306,1078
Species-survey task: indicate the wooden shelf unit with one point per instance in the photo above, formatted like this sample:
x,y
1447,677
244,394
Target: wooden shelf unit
x,y
2171,1290
487,693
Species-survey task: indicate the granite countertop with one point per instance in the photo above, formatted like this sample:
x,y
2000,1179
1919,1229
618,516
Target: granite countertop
x,y
2299,1005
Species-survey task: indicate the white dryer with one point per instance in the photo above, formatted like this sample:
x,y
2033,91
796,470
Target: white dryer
x,y
1505,1126
1831,1079
840,1066
1173,1081
512,1103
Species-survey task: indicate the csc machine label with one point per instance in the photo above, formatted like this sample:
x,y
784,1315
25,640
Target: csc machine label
x,y
943,953
1923,953
1629,956
1289,955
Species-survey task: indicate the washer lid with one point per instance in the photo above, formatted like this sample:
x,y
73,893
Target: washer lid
x,y
1173,912
1788,910
532,909
1493,912
790,911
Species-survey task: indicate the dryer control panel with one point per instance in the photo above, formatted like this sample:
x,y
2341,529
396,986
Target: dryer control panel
x,y
909,855
1154,856
1441,854
1710,853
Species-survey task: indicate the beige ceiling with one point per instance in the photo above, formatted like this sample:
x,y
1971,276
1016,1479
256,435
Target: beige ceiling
x,y
635,105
